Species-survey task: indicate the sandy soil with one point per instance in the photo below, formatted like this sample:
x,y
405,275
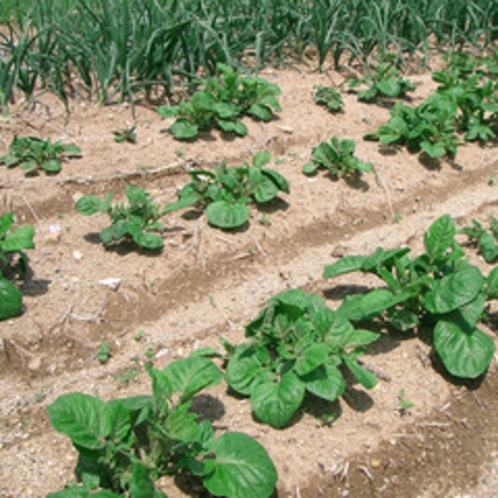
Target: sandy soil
x,y
207,283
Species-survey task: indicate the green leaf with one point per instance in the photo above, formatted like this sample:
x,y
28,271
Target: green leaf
x,y
183,129
223,214
325,382
274,403
52,165
454,290
190,375
241,468
10,299
162,390
259,111
141,485
115,232
6,223
148,240
439,237
434,150
465,352
492,284
265,191
488,246
402,319
311,358
86,420
90,204
357,307
366,378
310,168
281,183
168,111
22,238
246,368
261,158
347,264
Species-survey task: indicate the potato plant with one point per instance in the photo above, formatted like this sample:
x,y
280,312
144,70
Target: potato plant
x,y
226,192
125,445
136,221
13,263
225,99
438,289
34,154
296,345
485,240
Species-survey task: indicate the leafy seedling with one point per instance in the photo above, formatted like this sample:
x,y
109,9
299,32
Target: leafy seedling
x,y
328,97
438,289
338,157
226,192
225,99
33,154
382,81
404,404
485,240
128,134
13,263
104,353
125,445
136,221
296,345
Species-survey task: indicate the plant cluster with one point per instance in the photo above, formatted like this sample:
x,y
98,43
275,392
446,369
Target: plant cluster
x,y
128,134
225,192
485,240
33,154
13,263
297,345
382,81
125,445
338,157
466,102
438,289
328,97
225,99
136,221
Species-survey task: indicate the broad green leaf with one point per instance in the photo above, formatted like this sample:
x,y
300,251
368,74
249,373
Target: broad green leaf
x,y
241,468
365,377
86,420
168,111
22,238
352,338
381,257
274,403
245,369
488,246
188,196
454,290
162,390
311,358
139,407
347,264
281,183
265,191
6,223
357,307
261,112
148,240
237,127
439,237
464,352
90,204
115,232
492,284
225,110
52,165
325,382
389,87
325,321
225,215
72,150
10,299
181,424
402,319
183,129
190,375
141,485
434,150
310,168
261,158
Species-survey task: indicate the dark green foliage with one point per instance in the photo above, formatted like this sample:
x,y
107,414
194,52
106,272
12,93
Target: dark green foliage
x,y
382,81
13,263
485,240
328,97
338,157
127,134
438,288
33,154
225,192
136,221
297,344
125,445
225,99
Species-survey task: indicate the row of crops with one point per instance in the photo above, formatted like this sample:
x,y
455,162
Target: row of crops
x,y
113,50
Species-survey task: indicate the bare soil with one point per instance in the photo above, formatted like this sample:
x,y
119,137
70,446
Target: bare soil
x,y
207,283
